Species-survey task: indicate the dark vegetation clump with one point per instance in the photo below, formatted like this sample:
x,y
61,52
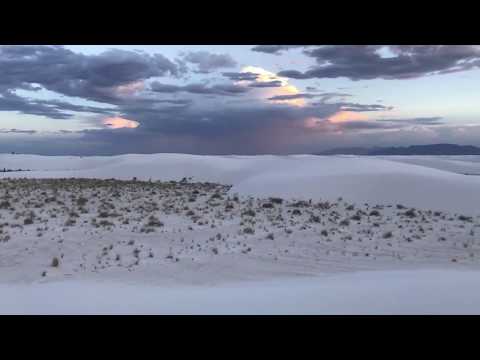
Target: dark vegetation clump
x,y
249,212
276,200
5,205
315,219
81,201
248,230
55,262
356,217
410,213
154,222
387,235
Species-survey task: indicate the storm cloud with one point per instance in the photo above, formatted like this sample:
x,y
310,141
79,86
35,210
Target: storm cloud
x,y
241,76
218,89
366,62
235,112
207,62
275,49
92,77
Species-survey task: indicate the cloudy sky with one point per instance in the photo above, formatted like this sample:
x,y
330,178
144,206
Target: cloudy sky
x,y
264,99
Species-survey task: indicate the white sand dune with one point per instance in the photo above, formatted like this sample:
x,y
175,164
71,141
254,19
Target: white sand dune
x,y
296,273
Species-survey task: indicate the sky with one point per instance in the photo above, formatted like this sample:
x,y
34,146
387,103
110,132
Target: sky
x,y
235,99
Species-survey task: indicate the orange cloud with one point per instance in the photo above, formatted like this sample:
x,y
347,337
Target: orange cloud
x,y
343,116
119,123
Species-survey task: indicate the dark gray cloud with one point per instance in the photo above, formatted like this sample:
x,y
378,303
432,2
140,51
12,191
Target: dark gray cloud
x,y
16,131
218,89
241,76
275,49
207,62
92,77
53,109
365,62
266,84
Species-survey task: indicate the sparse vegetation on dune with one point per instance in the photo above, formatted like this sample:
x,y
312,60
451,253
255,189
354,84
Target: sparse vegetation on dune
x,y
153,222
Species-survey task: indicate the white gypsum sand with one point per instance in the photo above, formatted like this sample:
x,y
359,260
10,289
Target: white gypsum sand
x,y
219,232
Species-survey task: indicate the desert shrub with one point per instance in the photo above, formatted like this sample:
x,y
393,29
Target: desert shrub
x,y
410,213
55,262
350,207
154,222
324,232
296,212
315,218
5,205
356,217
387,235
270,236
267,206
276,200
344,222
248,230
465,218
70,222
249,212
81,201
28,221
400,207
301,203
374,213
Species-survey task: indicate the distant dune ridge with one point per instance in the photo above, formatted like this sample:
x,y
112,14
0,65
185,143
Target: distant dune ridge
x,y
433,149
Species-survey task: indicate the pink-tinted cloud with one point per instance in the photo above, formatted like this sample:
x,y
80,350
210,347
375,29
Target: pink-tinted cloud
x,y
345,116
119,123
